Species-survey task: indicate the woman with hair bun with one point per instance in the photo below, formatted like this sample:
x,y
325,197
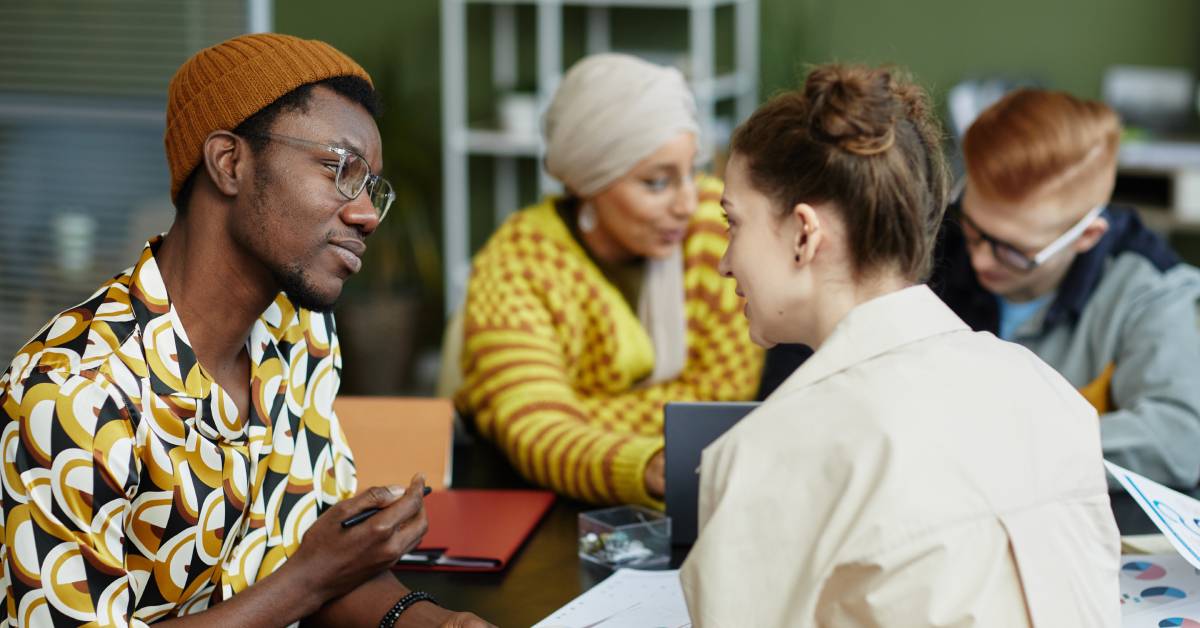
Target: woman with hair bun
x,y
911,472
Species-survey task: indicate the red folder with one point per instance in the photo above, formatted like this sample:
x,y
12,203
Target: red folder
x,y
476,529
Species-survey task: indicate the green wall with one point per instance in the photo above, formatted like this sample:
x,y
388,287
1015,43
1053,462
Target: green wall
x,y
1064,44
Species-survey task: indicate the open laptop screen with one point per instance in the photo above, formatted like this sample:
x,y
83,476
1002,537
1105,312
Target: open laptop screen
x,y
688,428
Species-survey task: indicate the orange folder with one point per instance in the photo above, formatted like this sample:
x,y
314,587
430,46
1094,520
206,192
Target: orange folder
x,y
476,529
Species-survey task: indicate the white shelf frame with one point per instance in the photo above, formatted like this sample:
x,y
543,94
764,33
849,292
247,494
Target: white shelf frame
x,y
460,141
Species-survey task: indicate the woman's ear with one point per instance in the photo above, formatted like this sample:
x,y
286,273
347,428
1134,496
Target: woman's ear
x,y
223,155
808,233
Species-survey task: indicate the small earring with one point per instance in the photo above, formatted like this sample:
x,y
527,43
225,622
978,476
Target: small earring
x,y
797,258
587,218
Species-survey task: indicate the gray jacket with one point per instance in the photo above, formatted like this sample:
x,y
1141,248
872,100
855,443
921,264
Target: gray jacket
x,y
1124,328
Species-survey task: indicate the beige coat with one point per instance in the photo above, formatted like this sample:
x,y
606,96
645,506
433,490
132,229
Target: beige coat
x,y
911,473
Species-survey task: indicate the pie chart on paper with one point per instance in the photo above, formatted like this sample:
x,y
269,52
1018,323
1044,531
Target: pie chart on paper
x,y
1143,570
1163,594
1178,622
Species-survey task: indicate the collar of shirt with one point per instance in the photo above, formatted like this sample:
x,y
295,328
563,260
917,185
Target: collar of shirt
x,y
1084,274
874,328
1125,233
171,364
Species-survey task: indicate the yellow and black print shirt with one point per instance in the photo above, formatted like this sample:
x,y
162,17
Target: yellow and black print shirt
x,y
132,490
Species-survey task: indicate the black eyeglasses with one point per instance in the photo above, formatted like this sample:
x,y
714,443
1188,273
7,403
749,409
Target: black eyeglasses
x,y
353,174
1015,258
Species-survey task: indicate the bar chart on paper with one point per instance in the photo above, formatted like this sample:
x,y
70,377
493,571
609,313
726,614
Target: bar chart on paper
x,y
630,598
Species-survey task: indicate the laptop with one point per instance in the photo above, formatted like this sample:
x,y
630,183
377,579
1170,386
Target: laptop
x,y
688,428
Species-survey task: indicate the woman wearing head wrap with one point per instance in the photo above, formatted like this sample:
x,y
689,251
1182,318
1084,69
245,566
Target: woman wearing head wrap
x,y
586,313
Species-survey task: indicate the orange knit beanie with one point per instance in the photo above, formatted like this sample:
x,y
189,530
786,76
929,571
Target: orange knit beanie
x,y
219,87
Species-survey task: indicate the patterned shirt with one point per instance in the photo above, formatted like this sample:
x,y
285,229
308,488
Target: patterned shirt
x,y
132,489
553,354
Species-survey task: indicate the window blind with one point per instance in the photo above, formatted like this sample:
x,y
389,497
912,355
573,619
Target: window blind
x,y
83,176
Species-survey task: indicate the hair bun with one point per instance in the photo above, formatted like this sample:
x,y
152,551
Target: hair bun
x,y
854,108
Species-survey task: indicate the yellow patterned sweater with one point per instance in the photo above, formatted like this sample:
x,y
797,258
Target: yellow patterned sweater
x,y
553,354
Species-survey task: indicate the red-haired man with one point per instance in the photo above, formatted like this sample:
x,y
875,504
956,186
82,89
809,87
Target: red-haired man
x,y
1039,257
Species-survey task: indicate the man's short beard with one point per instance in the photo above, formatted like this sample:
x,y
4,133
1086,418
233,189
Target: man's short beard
x,y
293,282
290,278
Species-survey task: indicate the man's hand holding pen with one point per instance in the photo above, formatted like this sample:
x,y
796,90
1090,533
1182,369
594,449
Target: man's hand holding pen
x,y
339,557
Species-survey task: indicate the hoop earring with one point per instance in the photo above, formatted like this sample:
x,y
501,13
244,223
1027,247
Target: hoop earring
x,y
587,218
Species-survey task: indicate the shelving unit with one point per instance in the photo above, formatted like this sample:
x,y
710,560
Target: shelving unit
x,y
460,141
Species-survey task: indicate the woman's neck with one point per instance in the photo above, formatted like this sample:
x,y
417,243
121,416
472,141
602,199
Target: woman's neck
x,y
604,247
838,298
598,243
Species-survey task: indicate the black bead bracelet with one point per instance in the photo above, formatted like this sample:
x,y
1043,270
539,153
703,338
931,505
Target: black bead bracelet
x,y
412,597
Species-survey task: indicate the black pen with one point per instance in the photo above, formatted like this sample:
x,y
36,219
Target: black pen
x,y
366,514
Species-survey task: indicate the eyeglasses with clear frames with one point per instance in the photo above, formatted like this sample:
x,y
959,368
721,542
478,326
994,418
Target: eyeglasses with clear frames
x,y
1016,259
353,174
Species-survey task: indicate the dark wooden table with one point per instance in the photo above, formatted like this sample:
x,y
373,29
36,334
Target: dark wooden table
x,y
546,572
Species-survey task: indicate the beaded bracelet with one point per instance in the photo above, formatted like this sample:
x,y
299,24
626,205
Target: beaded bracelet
x,y
412,597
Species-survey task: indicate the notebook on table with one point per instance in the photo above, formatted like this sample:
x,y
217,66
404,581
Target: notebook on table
x,y
476,529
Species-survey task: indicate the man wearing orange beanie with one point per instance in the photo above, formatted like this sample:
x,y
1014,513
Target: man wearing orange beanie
x,y
170,450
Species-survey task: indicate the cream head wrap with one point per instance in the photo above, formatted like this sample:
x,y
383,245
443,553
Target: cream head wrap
x,y
610,112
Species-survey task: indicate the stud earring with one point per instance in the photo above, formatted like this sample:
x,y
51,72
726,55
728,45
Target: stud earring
x,y
587,218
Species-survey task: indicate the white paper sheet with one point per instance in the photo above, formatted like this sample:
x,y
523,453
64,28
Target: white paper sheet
x,y
629,598
1176,514
1181,614
1156,588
